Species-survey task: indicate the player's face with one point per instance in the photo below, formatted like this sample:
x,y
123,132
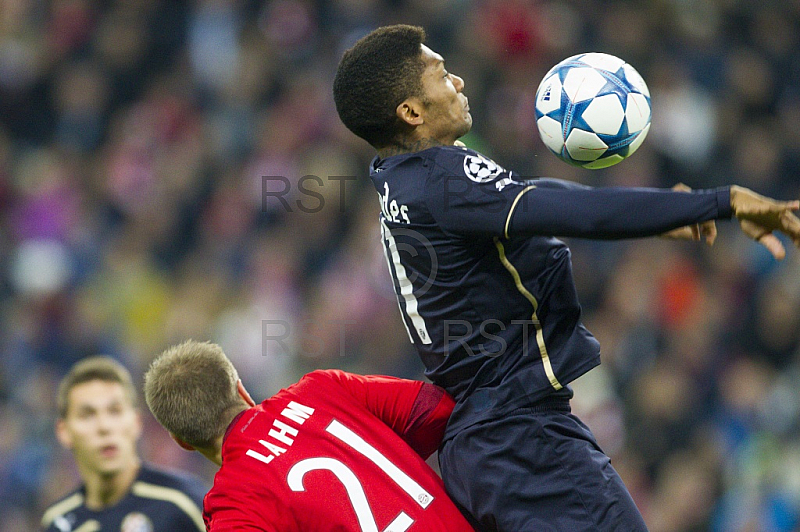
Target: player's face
x,y
101,428
445,109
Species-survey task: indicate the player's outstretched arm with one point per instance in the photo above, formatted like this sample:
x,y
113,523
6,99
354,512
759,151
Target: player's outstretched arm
x,y
760,217
704,231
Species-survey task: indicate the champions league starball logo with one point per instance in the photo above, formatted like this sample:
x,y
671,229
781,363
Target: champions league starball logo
x,y
480,169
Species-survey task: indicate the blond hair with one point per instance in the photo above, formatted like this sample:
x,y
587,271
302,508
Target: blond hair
x,y
94,368
191,390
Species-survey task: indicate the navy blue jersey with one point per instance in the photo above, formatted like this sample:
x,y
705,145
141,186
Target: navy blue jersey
x,y
156,501
484,287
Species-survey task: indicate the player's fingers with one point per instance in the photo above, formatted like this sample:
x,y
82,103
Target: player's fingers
x,y
762,235
790,224
709,231
676,234
681,233
680,187
783,206
695,232
773,245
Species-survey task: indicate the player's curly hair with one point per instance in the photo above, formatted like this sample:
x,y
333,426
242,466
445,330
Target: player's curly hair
x,y
191,390
374,76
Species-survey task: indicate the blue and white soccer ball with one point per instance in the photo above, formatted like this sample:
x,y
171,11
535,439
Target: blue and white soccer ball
x,y
593,110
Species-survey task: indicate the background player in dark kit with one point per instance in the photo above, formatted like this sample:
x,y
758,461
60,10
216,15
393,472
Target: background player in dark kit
x,y
333,452
487,294
99,422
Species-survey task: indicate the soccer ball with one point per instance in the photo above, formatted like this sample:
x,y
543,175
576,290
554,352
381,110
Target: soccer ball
x,y
593,110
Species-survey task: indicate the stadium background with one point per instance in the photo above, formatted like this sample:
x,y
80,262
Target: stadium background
x,y
134,136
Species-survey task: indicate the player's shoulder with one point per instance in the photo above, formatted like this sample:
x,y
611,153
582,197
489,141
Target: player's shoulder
x,y
325,375
322,384
319,381
180,492
66,504
172,478
460,161
336,377
447,156
437,155
168,485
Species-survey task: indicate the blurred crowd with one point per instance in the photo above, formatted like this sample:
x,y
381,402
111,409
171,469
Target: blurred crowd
x,y
177,169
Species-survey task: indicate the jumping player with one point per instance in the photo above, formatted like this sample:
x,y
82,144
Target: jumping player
x,y
487,293
333,452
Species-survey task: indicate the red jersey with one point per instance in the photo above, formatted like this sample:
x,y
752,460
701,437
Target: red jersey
x,y
336,452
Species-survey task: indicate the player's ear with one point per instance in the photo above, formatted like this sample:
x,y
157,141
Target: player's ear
x,y
243,393
409,112
62,433
182,443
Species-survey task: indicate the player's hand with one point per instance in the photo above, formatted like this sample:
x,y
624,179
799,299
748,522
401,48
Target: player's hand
x,y
706,230
760,217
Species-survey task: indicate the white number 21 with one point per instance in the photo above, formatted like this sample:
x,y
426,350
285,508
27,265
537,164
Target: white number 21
x,y
353,486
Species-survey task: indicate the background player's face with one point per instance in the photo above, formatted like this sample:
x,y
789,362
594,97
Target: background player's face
x,y
446,109
101,428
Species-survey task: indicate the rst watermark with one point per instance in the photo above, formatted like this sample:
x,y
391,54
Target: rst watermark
x,y
489,338
290,337
309,194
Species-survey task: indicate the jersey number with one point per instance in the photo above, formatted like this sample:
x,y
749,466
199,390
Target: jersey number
x,y
404,284
352,485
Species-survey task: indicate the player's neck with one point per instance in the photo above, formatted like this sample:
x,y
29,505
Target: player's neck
x,y
410,145
103,491
213,453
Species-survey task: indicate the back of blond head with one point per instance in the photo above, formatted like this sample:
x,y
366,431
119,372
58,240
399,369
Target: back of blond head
x,y
191,390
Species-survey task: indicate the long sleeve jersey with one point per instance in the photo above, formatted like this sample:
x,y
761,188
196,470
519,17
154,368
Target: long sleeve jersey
x,y
336,452
484,285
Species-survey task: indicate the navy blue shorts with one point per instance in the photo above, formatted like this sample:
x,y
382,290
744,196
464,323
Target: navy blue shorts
x,y
536,470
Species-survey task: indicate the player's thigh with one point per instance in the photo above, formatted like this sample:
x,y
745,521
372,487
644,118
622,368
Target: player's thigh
x,y
536,472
